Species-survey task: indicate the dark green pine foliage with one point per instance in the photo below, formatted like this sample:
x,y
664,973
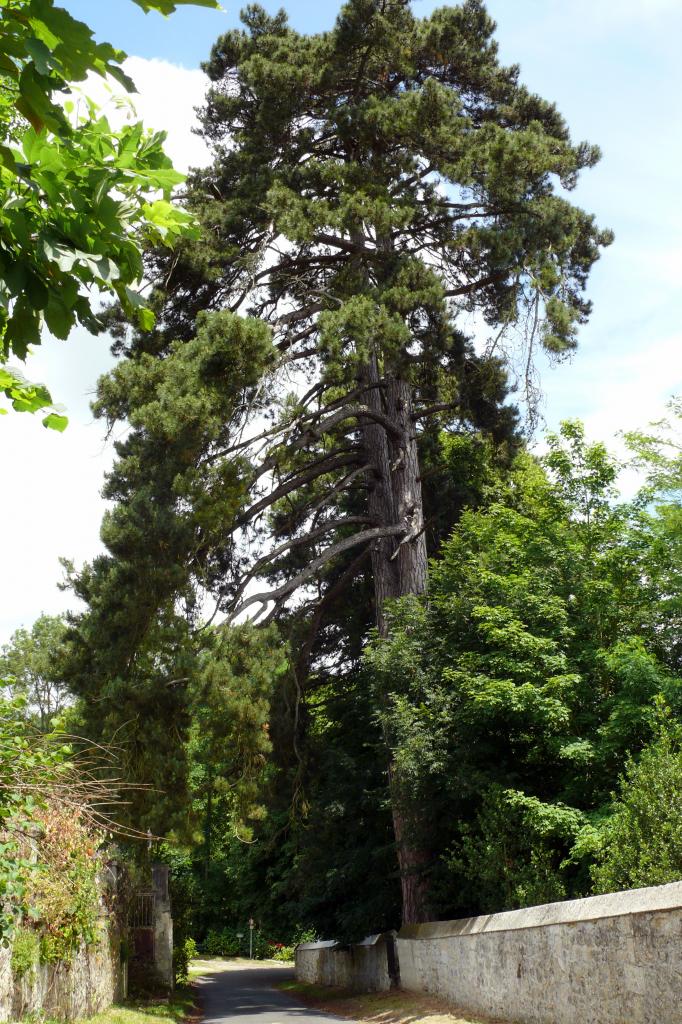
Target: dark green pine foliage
x,y
296,413
135,655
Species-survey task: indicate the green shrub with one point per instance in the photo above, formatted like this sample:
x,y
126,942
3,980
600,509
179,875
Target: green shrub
x,y
25,952
517,852
183,953
262,947
225,942
180,964
284,953
641,843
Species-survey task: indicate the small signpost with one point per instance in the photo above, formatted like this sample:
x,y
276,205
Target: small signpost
x,y
252,925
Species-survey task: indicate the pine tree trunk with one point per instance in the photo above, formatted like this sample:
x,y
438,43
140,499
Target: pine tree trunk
x,y
399,565
399,568
412,858
208,825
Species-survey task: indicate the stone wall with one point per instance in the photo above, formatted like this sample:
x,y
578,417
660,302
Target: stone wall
x,y
614,959
367,966
92,982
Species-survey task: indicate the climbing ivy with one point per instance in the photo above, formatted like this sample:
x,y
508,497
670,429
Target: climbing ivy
x,y
63,890
25,767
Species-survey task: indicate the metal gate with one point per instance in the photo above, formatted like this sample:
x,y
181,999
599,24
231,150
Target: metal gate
x,y
141,923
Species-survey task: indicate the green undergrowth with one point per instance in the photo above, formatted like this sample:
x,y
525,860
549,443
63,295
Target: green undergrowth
x,y
179,1007
176,1009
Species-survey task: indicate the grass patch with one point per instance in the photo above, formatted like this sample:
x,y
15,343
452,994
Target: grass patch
x,y
179,1007
205,965
395,1007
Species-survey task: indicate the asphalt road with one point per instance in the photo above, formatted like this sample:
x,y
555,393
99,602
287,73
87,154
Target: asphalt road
x,y
229,995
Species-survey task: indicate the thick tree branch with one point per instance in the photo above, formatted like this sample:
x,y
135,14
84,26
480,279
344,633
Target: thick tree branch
x,y
302,478
299,314
432,409
264,560
346,245
291,585
313,433
322,461
475,286
290,424
342,485
327,599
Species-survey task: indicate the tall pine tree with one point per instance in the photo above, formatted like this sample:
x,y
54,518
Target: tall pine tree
x,y
371,186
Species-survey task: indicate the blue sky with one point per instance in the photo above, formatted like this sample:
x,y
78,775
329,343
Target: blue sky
x,y
185,38
612,67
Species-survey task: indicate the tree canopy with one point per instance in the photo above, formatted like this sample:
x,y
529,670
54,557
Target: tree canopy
x,y
77,198
308,371
538,669
32,661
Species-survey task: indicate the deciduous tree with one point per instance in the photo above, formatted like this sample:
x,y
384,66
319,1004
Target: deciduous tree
x,y
33,660
77,198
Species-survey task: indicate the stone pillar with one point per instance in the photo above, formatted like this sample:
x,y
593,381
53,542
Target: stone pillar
x,y
163,926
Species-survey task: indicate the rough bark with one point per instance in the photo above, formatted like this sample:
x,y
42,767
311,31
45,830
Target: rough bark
x,y
399,567
413,857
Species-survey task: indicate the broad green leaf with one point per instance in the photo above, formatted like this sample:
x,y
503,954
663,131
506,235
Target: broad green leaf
x,y
74,197
56,422
125,80
42,58
8,67
169,6
23,328
15,203
7,158
163,178
146,319
58,317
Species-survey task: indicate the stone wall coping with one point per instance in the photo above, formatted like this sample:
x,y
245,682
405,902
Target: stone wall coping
x,y
370,940
615,904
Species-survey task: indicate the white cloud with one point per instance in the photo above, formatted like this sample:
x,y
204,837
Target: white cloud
x,y
166,99
620,392
51,507
614,392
